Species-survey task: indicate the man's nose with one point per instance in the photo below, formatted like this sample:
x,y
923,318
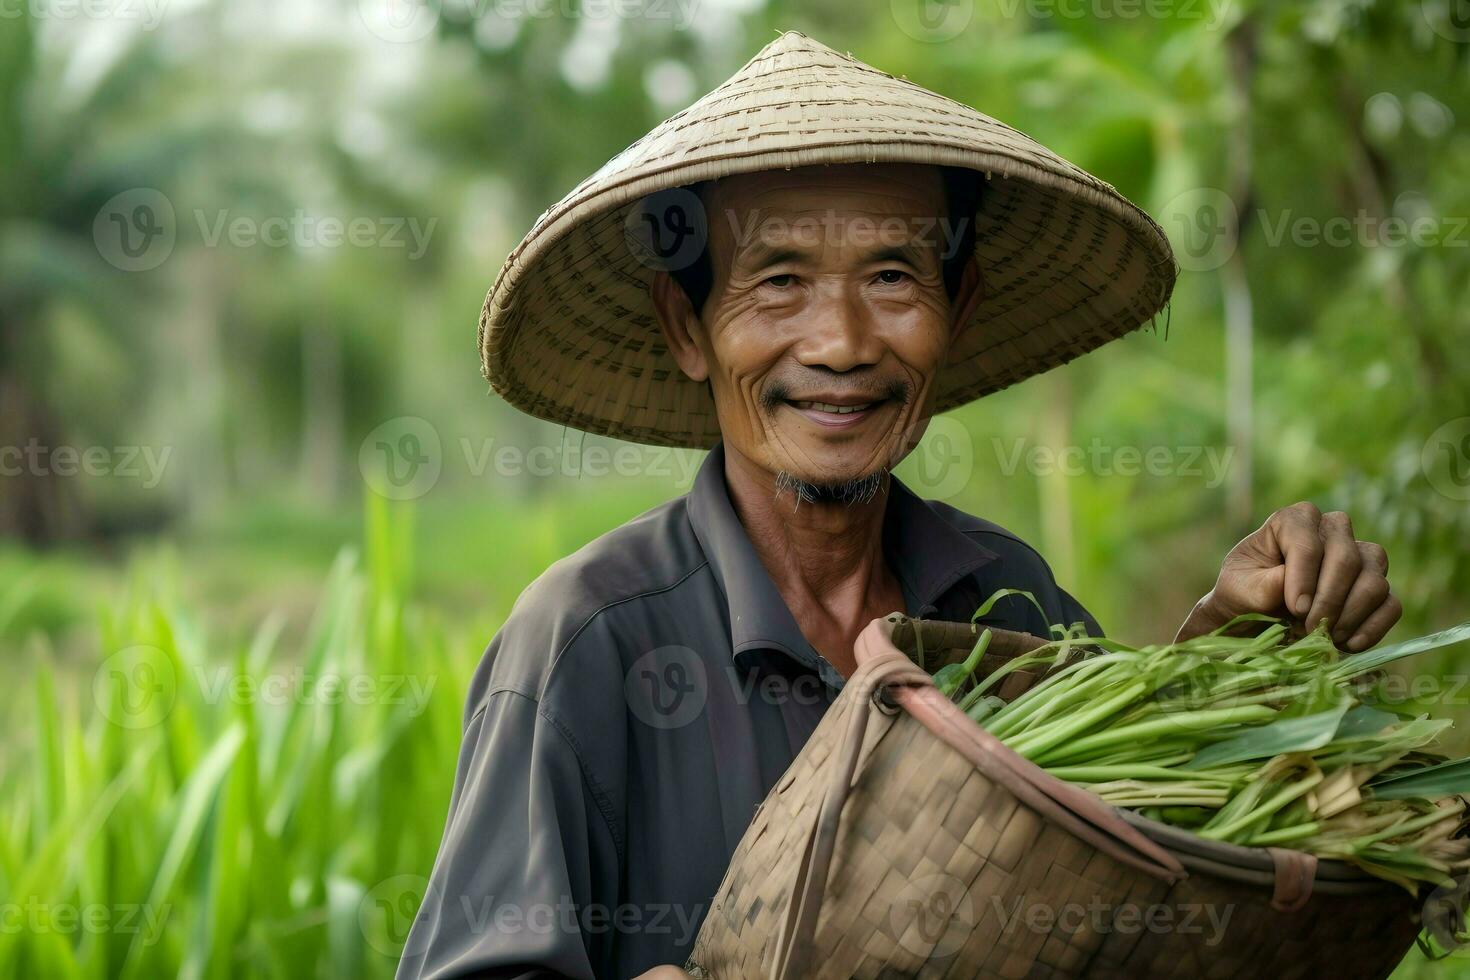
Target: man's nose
x,y
840,334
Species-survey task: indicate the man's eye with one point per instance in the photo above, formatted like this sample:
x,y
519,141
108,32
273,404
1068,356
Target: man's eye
x,y
892,277
781,281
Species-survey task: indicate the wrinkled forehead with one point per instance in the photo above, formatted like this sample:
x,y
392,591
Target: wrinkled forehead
x,y
896,202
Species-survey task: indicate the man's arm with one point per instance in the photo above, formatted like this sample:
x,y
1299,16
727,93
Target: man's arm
x,y
525,850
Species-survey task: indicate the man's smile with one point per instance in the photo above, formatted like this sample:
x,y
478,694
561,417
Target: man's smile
x,y
838,412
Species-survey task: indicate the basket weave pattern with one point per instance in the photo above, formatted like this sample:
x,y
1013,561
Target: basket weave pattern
x,y
940,871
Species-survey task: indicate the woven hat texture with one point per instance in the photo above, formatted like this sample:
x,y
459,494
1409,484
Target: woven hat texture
x,y
568,332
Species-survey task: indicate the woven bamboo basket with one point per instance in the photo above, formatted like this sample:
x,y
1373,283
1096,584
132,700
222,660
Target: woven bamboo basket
x,y
906,841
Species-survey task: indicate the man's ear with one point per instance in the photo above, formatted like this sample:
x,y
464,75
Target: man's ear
x,y
966,298
679,324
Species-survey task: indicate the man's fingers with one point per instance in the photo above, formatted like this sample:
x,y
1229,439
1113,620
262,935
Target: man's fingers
x,y
1376,626
1301,546
1340,566
1367,593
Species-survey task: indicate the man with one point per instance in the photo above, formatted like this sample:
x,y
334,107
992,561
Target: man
x,y
797,271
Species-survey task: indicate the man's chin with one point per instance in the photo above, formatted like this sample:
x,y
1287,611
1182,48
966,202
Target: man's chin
x,y
855,489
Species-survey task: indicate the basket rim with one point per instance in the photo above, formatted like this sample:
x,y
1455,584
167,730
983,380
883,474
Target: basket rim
x,y
1332,876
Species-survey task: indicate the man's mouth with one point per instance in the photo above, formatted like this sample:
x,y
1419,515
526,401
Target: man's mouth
x,y
836,414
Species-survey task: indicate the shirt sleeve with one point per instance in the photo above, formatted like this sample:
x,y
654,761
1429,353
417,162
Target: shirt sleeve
x,y
526,851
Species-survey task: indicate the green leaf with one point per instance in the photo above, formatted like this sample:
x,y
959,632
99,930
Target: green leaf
x,y
949,678
1430,783
1363,721
1267,741
1372,660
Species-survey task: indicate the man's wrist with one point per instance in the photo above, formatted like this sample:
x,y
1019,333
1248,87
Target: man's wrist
x,y
1203,618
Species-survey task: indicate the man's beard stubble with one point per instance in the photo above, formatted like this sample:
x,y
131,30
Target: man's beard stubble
x,y
858,490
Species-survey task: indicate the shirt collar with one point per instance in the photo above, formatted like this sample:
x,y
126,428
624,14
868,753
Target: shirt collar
x,y
927,552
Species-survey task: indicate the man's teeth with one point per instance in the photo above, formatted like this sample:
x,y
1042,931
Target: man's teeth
x,y
835,409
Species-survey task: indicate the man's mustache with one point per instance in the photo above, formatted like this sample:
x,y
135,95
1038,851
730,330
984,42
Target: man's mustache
x,y
781,391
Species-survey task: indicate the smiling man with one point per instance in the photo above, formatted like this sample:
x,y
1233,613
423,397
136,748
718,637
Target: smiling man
x,y
796,272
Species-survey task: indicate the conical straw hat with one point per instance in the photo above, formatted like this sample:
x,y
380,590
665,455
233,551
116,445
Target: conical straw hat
x,y
568,332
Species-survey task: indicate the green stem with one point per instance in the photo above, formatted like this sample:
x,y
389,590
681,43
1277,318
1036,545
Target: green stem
x,y
1282,835
1038,743
1186,720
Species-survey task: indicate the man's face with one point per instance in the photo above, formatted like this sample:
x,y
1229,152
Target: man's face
x,y
828,319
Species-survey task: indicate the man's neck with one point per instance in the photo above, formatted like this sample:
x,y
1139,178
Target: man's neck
x,y
825,558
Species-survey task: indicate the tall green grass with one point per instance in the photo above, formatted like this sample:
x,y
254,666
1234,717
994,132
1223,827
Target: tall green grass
x,y
191,808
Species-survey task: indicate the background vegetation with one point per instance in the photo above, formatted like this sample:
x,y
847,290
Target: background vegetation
x,y
175,605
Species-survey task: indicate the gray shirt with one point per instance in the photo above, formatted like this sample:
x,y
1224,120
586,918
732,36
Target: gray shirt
x,y
640,700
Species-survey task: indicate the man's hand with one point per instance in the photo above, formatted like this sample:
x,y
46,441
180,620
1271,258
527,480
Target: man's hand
x,y
1304,565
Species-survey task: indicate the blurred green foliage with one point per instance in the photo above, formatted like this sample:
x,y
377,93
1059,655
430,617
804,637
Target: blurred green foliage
x,y
1295,363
